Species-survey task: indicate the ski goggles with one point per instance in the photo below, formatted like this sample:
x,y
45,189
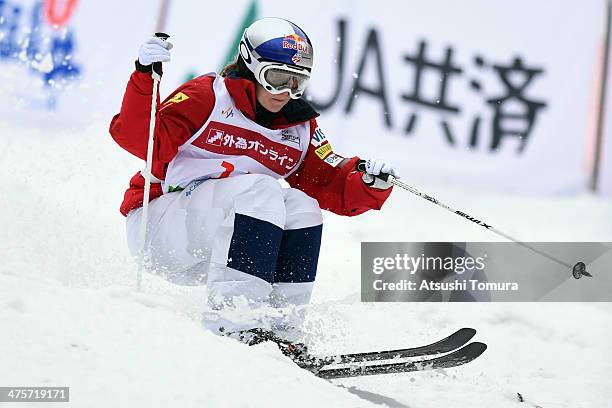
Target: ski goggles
x,y
279,78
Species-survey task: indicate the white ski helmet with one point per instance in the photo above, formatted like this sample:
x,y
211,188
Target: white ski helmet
x,y
279,54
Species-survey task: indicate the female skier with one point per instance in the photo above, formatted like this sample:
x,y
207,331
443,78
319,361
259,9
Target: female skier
x,y
218,215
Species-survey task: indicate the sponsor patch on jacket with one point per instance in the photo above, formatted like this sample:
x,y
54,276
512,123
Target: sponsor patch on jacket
x,y
318,138
333,159
178,98
324,151
228,112
229,140
287,136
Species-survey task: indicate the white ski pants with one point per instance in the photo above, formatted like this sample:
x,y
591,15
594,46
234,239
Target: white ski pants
x,y
253,243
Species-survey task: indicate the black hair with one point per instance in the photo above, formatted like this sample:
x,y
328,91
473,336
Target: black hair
x,y
239,69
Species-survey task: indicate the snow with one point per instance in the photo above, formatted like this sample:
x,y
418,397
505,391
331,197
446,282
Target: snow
x,y
117,348
70,316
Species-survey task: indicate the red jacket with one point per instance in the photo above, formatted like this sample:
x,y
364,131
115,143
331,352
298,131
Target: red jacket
x,y
337,189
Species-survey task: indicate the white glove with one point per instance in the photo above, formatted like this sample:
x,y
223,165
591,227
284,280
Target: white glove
x,y
154,50
374,168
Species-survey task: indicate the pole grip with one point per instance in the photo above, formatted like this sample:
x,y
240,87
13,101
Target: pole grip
x,y
157,66
361,166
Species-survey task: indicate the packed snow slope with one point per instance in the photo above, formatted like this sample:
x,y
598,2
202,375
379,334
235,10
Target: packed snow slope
x,y
69,314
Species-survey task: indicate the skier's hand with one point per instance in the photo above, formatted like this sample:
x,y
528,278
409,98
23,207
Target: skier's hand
x,y
154,50
374,168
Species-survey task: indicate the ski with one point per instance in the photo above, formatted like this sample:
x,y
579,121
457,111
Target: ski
x,y
447,344
458,357
360,364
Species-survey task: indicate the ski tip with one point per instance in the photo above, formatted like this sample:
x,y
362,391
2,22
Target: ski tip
x,y
467,353
477,347
467,332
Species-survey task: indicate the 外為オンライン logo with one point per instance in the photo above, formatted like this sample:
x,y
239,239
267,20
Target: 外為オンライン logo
x,y
36,35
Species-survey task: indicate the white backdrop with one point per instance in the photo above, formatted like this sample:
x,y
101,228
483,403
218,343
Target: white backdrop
x,y
605,169
445,130
488,42
98,40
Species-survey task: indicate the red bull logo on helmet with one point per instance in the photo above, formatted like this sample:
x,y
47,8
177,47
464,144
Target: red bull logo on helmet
x,y
295,42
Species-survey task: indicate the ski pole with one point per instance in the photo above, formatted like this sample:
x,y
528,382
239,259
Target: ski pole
x,y
578,270
156,71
